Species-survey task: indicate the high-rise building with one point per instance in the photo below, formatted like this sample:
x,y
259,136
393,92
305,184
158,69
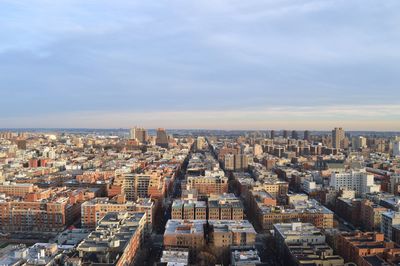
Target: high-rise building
x,y
139,134
162,138
229,162
257,150
307,135
272,134
358,142
241,161
337,138
200,143
135,186
295,135
285,134
396,148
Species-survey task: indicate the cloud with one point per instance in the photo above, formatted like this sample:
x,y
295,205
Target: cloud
x,y
126,57
367,117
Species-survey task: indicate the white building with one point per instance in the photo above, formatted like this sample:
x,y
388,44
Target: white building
x,y
178,257
200,143
359,181
257,150
309,186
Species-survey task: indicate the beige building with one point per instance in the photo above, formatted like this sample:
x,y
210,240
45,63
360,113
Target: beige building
x,y
225,207
338,137
94,210
184,234
371,215
17,189
189,210
207,185
226,233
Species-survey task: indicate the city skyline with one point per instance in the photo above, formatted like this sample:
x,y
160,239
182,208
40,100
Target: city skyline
x,y
210,65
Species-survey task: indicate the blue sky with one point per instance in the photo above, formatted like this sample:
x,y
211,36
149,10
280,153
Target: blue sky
x,y
200,64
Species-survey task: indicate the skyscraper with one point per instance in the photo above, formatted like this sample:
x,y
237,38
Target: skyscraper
x,y
307,135
396,148
337,137
285,134
272,134
295,135
139,134
162,138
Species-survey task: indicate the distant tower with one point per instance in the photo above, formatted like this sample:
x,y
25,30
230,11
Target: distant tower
x,y
295,135
285,134
200,143
272,134
337,137
396,148
307,135
139,134
162,138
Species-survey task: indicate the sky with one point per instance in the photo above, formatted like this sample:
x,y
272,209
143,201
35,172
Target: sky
x,y
210,64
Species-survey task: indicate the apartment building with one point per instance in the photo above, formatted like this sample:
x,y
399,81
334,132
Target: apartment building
x,y
207,185
185,234
356,245
226,233
357,180
303,244
94,210
116,240
17,189
189,210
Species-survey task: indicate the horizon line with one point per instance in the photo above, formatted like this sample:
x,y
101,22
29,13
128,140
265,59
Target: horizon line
x,y
196,129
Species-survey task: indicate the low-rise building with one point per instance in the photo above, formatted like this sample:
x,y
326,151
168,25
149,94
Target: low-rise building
x,y
94,210
389,219
185,234
36,255
355,245
115,241
371,215
303,244
227,233
309,211
17,189
178,257
189,210
225,207
245,256
207,185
